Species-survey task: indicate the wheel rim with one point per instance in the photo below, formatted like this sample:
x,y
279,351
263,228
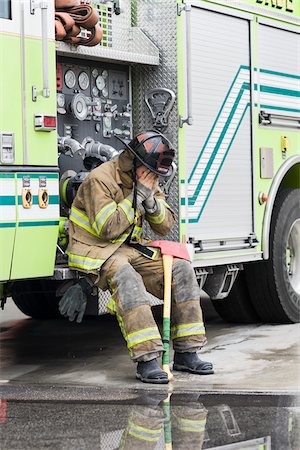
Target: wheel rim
x,y
293,256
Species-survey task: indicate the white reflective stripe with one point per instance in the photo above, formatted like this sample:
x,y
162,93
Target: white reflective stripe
x,y
83,262
142,336
103,215
81,220
157,219
188,329
145,434
126,206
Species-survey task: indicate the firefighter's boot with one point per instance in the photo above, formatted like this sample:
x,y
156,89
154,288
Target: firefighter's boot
x,y
190,362
150,372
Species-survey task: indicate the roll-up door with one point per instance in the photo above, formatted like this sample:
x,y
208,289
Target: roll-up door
x,y
218,152
279,73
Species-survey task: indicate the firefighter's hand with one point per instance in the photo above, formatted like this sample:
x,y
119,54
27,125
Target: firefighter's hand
x,y
146,185
73,303
147,178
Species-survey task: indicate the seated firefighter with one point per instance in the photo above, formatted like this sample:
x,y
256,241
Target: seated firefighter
x,y
107,242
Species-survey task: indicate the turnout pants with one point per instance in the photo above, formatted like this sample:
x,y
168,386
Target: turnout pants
x,y
130,276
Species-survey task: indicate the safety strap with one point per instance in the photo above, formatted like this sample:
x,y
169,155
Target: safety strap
x,y
142,249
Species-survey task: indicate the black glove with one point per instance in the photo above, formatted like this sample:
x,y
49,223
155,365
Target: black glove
x,y
73,302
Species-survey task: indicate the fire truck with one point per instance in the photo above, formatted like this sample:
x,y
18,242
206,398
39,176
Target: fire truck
x,y
221,78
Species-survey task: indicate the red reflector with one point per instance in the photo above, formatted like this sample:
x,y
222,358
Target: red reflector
x,y
50,121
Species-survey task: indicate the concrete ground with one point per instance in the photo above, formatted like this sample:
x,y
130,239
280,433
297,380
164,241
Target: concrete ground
x,y
247,358
66,386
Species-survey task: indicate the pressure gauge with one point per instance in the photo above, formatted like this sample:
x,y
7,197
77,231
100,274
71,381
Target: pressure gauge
x,y
95,91
70,79
105,92
95,73
83,81
100,83
60,100
104,74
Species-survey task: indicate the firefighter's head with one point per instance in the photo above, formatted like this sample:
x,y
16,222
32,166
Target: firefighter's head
x,y
153,150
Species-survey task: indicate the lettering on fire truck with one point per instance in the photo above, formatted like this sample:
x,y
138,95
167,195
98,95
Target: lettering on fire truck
x,y
287,4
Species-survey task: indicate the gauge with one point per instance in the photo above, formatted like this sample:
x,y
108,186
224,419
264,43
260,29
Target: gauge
x,y
95,73
100,83
60,100
70,79
83,81
95,91
104,74
80,106
105,92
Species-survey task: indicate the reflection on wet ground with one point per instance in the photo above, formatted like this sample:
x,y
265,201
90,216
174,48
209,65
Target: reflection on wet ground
x,y
66,386
153,420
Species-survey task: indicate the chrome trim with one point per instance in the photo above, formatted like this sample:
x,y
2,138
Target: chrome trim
x,y
189,119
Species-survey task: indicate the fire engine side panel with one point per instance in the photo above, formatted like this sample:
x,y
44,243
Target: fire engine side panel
x,y
28,232
41,146
277,81
218,144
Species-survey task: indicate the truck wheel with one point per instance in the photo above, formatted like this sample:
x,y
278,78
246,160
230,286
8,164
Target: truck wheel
x,y
274,284
36,298
237,307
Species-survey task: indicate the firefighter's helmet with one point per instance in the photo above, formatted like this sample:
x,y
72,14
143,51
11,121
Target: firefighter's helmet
x,y
154,151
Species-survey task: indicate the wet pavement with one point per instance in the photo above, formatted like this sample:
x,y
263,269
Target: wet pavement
x,y
70,386
260,358
147,420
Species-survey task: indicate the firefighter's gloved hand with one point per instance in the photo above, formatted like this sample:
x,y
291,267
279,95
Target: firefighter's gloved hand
x,y
73,302
145,195
143,192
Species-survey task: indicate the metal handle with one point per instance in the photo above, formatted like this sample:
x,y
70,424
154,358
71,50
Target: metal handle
x,y
45,52
189,119
43,5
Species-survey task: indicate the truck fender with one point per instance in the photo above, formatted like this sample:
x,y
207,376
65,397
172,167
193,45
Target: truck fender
x,y
286,166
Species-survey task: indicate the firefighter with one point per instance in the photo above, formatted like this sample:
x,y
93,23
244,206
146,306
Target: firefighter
x,y
107,241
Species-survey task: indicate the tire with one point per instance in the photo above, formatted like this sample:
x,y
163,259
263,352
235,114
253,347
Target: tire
x,y
36,298
237,307
274,284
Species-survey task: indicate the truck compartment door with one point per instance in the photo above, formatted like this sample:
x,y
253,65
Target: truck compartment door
x,y
218,146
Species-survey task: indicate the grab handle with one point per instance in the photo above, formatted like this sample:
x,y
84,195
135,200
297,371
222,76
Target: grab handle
x,y
188,9
43,5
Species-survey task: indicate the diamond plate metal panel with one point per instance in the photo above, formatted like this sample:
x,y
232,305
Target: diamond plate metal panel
x,y
157,19
121,41
105,295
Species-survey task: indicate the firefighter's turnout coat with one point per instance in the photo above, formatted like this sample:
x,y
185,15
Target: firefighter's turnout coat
x,y
102,216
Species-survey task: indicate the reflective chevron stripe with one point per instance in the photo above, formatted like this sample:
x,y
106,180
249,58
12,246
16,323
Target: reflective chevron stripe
x,y
146,334
145,434
160,217
102,216
81,219
83,262
187,329
126,206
